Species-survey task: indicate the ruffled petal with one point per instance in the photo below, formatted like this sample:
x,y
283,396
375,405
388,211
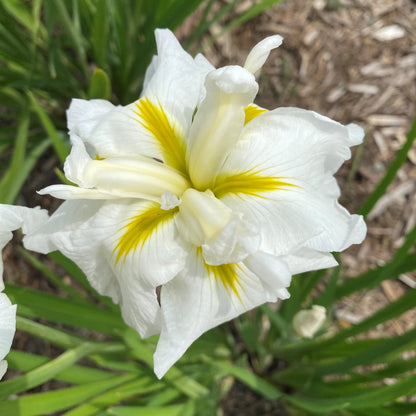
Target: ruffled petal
x,y
122,248
202,297
175,79
287,158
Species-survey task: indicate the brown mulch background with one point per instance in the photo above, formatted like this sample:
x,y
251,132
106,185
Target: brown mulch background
x,y
354,61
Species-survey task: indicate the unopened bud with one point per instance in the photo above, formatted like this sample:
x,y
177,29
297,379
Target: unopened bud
x,y
308,321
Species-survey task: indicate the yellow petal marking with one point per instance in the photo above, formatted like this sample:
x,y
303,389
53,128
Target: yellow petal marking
x,y
140,228
252,111
154,119
249,183
227,274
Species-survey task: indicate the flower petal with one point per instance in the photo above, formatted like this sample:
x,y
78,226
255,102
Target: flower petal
x,y
306,260
303,149
87,232
147,247
218,123
14,217
7,329
176,79
122,177
202,297
258,55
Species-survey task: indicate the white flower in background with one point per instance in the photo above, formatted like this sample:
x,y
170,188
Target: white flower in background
x,y
307,321
195,189
7,329
13,218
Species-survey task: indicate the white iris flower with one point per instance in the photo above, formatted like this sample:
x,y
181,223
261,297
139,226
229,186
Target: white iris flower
x,y
13,218
197,191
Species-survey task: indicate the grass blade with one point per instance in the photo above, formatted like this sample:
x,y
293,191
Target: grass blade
x,y
44,403
391,173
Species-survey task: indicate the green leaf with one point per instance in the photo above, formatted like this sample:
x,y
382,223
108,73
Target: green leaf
x,y
52,308
76,374
79,276
174,376
258,384
391,173
8,184
99,37
52,277
61,148
370,397
372,278
46,371
100,86
141,386
175,410
40,404
371,355
54,336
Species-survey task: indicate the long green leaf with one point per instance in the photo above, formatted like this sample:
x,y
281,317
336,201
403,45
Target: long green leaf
x,y
258,384
141,386
175,410
60,147
8,183
391,173
40,404
76,374
372,278
45,372
366,399
100,33
50,307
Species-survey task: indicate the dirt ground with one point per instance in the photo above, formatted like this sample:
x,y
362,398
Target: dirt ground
x,y
353,61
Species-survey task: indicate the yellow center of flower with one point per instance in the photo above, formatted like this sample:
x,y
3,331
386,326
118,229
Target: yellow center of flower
x,y
199,213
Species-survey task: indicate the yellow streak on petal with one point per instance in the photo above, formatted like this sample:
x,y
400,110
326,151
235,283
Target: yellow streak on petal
x,y
252,111
140,228
249,183
154,119
227,274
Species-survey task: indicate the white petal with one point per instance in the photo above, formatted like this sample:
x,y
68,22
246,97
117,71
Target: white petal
x,y
153,261
236,241
86,231
218,122
304,149
306,259
195,301
272,270
73,192
14,217
123,177
101,127
82,115
258,55
76,162
175,79
3,368
7,328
